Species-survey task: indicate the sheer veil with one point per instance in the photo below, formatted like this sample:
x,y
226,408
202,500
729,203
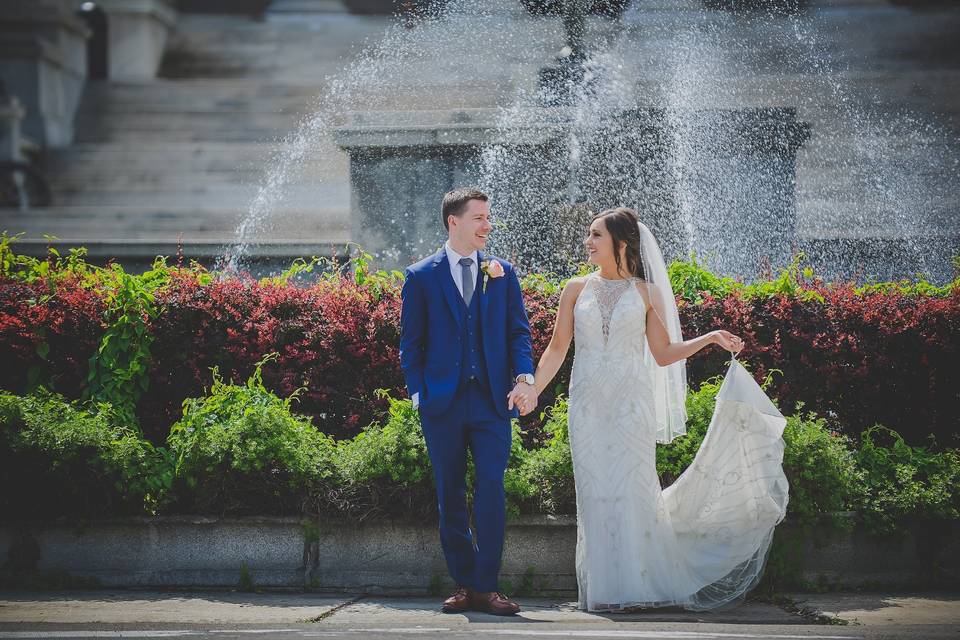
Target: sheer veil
x,y
670,382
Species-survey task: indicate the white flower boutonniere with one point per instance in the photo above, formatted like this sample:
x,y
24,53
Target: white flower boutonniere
x,y
491,269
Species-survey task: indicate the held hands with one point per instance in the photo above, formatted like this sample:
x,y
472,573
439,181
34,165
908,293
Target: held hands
x,y
524,397
733,344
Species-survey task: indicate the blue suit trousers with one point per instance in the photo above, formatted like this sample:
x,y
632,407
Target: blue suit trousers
x,y
472,421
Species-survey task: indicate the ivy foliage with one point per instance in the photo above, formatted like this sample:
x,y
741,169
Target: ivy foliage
x,y
119,367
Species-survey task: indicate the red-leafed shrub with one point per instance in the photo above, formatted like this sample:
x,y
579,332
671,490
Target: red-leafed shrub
x,y
542,314
337,339
858,358
883,354
47,335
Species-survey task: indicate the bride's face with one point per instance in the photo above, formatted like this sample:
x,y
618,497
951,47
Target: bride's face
x,y
599,243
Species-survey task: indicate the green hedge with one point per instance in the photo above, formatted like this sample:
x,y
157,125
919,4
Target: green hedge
x,y
240,449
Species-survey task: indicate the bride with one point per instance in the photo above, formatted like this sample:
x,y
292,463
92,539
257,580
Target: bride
x,y
702,542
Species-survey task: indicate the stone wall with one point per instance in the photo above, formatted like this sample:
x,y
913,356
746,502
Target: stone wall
x,y
403,558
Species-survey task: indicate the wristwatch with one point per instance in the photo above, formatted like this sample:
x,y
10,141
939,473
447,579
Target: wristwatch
x,y
526,377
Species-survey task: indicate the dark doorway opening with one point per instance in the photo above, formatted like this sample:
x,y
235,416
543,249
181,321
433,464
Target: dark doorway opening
x,y
96,20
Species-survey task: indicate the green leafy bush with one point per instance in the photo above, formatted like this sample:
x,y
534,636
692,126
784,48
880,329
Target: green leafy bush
x,y
118,368
691,281
822,471
240,449
61,457
905,482
547,471
515,482
385,469
673,458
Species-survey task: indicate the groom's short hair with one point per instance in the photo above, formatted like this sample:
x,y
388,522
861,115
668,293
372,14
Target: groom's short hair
x,y
455,202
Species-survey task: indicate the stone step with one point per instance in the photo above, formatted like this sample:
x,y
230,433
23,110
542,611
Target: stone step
x,y
302,7
186,135
167,96
88,160
295,50
318,197
130,223
222,120
147,180
152,181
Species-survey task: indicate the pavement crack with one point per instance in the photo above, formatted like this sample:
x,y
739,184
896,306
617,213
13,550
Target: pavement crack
x,y
809,614
329,612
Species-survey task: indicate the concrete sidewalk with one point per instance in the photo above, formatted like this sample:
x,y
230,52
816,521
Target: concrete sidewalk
x,y
234,608
133,607
873,609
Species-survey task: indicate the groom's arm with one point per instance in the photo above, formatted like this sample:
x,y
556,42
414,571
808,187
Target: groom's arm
x,y
413,332
518,327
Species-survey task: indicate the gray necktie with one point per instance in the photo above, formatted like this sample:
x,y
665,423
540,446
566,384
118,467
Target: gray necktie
x,y
467,279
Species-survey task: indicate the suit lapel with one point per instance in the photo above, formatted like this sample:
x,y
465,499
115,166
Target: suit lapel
x,y
441,270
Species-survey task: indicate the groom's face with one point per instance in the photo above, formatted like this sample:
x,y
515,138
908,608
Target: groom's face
x,y
470,229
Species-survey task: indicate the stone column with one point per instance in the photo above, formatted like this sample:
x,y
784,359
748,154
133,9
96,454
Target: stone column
x,y
137,32
43,61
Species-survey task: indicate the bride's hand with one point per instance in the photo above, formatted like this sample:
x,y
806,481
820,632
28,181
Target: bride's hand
x,y
728,341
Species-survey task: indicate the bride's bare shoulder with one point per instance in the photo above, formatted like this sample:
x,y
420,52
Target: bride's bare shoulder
x,y
573,287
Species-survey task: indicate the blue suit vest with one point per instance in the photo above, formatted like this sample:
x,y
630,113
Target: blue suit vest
x,y
473,358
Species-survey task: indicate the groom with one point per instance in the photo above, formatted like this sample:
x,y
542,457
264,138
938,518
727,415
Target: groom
x,y
466,355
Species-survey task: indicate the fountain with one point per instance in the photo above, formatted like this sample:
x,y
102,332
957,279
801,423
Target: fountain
x,y
578,141
708,147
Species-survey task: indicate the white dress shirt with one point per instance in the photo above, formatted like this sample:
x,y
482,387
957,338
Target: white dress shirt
x,y
456,272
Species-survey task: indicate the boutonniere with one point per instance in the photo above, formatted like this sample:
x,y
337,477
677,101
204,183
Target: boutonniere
x,y
491,269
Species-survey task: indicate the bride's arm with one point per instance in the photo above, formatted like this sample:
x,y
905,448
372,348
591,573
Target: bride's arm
x,y
556,351
665,352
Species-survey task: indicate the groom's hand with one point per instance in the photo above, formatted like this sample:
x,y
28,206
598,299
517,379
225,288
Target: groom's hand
x,y
523,397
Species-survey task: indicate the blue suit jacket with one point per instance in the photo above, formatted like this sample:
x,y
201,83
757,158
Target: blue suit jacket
x,y
431,333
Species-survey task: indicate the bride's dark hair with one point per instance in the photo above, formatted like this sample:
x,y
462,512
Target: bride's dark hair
x,y
622,225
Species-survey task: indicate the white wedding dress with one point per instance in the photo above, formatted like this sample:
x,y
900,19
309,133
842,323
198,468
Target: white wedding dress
x,y
702,542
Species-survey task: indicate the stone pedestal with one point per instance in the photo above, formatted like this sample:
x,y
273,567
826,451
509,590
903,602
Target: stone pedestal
x,y
137,36
43,61
716,182
401,164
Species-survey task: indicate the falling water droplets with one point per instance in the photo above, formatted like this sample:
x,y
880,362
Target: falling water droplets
x,y
642,130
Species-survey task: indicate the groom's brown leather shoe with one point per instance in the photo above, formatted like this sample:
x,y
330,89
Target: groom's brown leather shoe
x,y
459,601
494,602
